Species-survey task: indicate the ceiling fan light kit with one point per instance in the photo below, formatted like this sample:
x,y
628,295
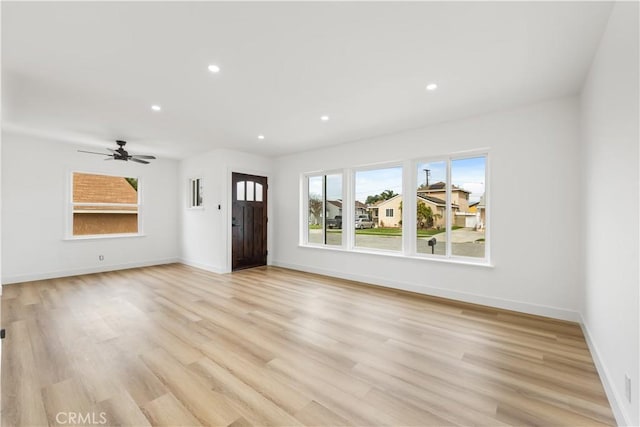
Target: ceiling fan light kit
x,y
121,154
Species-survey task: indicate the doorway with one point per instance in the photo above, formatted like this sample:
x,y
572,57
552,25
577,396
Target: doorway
x,y
248,221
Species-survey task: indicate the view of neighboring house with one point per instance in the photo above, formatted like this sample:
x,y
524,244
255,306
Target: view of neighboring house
x,y
438,207
104,204
360,209
481,213
333,208
387,213
459,196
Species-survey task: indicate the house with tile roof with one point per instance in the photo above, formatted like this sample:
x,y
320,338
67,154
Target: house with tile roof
x,y
104,204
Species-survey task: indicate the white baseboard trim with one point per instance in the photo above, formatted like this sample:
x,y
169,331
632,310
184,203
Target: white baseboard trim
x,y
207,267
80,271
615,399
523,307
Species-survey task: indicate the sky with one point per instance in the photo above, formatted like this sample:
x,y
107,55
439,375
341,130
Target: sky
x,y
465,173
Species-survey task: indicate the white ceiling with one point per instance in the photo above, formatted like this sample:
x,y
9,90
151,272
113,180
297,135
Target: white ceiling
x,y
88,73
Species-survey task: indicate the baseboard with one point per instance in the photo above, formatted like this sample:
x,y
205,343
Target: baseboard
x,y
523,307
80,271
207,267
615,399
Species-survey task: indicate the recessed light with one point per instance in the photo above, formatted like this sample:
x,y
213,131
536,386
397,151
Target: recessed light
x,y
214,68
432,86
260,136
156,107
324,118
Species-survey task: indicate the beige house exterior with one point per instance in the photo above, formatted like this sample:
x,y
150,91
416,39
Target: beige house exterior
x,y
387,213
459,196
438,207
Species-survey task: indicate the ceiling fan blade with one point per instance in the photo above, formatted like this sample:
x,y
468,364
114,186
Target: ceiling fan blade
x,y
93,152
110,158
142,156
133,159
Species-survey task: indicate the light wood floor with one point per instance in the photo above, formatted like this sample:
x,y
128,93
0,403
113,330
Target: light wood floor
x,y
172,345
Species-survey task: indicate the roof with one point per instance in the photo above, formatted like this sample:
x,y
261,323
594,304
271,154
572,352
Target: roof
x,y
360,205
90,188
382,202
337,203
436,201
441,186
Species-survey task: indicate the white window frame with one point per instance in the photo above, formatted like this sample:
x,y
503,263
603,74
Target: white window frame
x,y
71,205
448,159
304,217
352,233
195,186
409,186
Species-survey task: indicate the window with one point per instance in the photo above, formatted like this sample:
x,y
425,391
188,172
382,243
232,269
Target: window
x,y
249,191
378,191
446,216
104,204
468,177
195,194
431,208
451,210
324,215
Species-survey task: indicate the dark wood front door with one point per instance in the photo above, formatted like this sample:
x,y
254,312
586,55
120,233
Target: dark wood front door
x,y
248,221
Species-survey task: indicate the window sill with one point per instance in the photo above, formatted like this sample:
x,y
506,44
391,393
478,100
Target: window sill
x,y
102,236
195,208
426,257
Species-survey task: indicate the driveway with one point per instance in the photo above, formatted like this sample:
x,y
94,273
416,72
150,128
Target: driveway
x,y
463,242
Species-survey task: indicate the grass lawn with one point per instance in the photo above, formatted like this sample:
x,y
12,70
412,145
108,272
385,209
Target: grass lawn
x,y
389,231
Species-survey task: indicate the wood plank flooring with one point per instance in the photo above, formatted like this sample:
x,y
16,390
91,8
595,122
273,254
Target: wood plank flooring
x,y
176,346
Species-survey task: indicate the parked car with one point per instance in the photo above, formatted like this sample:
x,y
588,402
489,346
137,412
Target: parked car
x,y
363,221
335,222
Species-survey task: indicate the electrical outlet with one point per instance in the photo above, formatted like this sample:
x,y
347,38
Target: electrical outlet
x,y
101,257
627,387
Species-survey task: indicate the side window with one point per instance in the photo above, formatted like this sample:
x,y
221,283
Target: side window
x,y
468,220
324,215
195,193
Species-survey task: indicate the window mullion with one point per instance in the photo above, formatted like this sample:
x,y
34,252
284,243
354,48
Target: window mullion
x,y
324,209
409,192
448,209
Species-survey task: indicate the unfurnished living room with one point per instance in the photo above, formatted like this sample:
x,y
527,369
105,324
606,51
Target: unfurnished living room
x,y
320,213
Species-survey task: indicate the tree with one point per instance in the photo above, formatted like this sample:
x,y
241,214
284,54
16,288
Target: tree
x,y
425,215
372,199
315,207
133,182
385,195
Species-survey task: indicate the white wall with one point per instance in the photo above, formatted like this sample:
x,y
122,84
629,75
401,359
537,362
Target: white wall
x,y
611,205
35,195
534,171
206,233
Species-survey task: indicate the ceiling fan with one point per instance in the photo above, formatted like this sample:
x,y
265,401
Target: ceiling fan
x,y
122,154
